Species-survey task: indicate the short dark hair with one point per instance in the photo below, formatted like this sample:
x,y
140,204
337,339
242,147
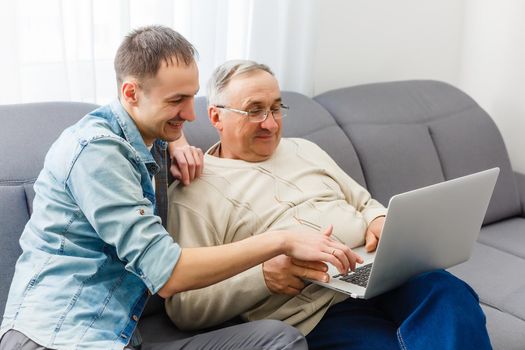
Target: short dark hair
x,y
143,49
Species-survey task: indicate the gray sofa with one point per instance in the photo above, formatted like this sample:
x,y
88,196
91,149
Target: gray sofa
x,y
390,137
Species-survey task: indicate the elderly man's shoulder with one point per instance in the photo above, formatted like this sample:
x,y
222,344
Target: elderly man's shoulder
x,y
299,142
210,184
304,145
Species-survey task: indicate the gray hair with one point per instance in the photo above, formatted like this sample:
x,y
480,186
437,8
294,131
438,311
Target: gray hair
x,y
142,51
223,74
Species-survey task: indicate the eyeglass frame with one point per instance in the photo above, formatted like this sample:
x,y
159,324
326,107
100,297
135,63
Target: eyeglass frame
x,y
265,115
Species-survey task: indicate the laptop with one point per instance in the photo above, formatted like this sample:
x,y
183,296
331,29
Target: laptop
x,y
430,228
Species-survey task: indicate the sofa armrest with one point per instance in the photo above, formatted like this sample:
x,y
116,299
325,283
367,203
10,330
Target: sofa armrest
x,y
520,181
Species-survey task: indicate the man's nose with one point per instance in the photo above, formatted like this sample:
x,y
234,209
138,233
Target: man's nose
x,y
269,123
188,112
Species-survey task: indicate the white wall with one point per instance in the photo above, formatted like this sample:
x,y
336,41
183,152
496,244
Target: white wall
x,y
476,45
364,41
493,67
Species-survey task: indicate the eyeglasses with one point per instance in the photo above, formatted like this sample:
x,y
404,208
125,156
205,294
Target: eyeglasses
x,y
258,115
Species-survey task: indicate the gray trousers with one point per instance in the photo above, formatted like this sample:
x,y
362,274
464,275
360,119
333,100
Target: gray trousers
x,y
257,335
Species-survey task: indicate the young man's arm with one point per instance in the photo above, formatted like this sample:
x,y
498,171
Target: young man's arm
x,y
201,267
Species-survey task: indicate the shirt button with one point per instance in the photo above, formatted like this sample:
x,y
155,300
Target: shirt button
x,y
141,211
135,318
123,335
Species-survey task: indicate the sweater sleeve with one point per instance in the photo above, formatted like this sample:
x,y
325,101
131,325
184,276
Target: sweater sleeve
x,y
211,306
194,223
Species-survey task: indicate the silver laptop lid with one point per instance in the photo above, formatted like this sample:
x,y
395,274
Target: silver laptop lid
x,y
430,228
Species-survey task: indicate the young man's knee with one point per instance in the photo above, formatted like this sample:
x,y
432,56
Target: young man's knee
x,y
285,336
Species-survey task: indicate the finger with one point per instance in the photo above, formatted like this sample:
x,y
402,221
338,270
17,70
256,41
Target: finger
x,y
376,226
190,160
354,260
346,260
175,171
328,231
302,273
313,265
317,276
371,241
352,257
180,159
358,258
378,234
296,283
332,259
199,161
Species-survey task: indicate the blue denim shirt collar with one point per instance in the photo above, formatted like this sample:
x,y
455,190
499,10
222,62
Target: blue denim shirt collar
x,y
131,133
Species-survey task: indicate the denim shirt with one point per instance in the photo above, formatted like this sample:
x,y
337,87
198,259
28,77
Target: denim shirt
x,y
94,247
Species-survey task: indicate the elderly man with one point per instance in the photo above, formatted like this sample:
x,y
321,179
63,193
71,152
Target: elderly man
x,y
255,181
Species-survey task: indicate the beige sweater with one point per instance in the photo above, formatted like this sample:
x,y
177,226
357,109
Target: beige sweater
x,y
299,188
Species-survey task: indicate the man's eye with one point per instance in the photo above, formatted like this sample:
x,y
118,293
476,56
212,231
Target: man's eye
x,y
255,111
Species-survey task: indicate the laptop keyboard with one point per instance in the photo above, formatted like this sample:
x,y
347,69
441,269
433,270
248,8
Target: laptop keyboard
x,y
359,277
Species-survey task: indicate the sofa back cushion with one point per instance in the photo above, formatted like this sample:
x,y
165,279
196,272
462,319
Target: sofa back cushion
x,y
411,134
25,136
305,118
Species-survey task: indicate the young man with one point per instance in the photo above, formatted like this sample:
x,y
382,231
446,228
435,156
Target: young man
x,y
95,249
256,181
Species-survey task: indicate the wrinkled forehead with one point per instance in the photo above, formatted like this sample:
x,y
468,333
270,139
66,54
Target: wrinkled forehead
x,y
254,87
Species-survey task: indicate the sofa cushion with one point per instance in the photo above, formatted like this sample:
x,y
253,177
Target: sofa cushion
x,y
26,134
498,278
464,137
307,119
507,235
506,331
520,182
13,216
158,328
30,195
469,141
32,127
391,162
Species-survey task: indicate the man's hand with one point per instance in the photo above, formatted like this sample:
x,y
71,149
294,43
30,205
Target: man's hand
x,y
373,233
320,247
186,162
283,275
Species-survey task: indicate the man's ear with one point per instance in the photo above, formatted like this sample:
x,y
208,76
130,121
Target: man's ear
x,y
129,92
213,114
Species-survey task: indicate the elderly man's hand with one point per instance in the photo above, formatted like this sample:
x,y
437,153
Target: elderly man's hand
x,y
373,233
186,162
284,275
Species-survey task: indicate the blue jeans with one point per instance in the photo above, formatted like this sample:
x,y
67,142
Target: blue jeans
x,y
434,310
